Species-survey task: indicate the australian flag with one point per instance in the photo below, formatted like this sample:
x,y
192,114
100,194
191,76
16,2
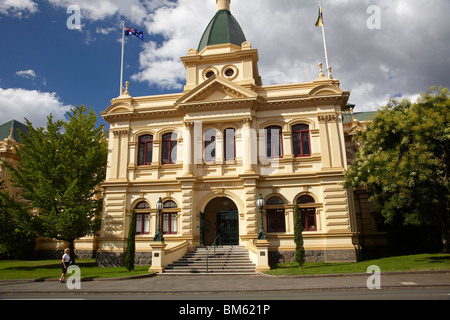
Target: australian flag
x,y
136,32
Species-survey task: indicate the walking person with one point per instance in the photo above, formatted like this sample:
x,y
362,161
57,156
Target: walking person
x,y
65,261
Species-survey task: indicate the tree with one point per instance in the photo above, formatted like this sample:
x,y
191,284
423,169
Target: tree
x,y
59,172
18,228
298,238
403,161
131,247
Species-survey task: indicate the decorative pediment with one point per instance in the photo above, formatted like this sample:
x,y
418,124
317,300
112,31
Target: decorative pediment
x,y
326,90
216,89
120,105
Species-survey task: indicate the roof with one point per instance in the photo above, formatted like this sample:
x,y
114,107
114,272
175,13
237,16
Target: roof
x,y
360,116
5,130
223,28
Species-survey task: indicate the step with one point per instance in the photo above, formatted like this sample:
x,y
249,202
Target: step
x,y
226,260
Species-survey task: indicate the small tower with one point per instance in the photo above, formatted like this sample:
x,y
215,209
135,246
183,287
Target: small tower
x,y
223,51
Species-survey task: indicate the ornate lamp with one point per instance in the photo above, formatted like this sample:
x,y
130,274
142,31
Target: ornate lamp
x,y
158,235
260,204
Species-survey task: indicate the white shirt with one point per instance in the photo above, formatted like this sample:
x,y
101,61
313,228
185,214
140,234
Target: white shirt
x,y
66,257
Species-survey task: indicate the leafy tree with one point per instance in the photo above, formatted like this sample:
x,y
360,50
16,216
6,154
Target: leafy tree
x,y
298,237
403,161
18,228
59,172
131,241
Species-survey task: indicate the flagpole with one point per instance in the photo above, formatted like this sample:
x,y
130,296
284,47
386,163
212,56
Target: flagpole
x,y
324,42
123,49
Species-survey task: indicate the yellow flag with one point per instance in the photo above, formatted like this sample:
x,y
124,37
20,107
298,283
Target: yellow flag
x,y
319,21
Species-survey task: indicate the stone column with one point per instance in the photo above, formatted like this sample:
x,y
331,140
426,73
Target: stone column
x,y
158,249
262,247
187,150
249,156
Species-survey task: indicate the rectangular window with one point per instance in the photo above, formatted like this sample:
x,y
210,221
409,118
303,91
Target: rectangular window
x,y
169,148
145,150
142,223
170,224
275,220
230,144
301,143
308,219
274,142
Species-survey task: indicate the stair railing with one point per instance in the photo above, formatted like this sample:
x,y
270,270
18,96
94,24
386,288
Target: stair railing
x,y
214,245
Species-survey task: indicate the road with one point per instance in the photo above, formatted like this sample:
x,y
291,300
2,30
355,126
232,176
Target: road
x,y
360,294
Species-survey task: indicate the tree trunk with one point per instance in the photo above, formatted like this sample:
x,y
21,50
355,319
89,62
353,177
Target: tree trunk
x,y
72,250
445,244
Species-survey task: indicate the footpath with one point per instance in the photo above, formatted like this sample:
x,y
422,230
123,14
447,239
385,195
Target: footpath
x,y
157,284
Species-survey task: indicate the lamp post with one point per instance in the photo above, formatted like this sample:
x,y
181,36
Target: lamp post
x,y
158,235
260,204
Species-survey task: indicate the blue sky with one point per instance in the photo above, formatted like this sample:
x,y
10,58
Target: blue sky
x,y
45,67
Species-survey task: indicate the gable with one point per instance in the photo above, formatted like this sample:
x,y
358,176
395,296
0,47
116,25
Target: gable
x,y
216,88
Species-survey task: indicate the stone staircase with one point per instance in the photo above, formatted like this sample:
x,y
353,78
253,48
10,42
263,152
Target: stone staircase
x,y
227,260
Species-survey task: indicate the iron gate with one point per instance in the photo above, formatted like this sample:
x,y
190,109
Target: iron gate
x,y
228,227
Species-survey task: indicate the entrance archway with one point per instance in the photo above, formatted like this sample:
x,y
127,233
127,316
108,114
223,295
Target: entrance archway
x,y
220,217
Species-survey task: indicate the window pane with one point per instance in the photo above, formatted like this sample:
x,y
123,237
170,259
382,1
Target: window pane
x,y
138,223
165,152
149,154
311,221
170,204
165,223
141,153
305,200
270,221
173,152
210,145
296,144
147,223
230,144
274,201
173,225
305,144
142,205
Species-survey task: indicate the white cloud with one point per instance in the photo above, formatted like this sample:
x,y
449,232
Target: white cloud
x,y
31,104
27,74
17,7
105,31
406,56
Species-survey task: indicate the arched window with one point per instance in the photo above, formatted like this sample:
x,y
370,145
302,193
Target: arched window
x,y
142,218
275,215
210,145
308,212
169,218
169,148
274,142
145,150
230,144
301,142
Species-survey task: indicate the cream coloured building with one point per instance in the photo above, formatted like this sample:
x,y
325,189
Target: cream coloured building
x,y
210,151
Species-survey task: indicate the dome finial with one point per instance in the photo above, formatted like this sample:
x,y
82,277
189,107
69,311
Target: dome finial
x,y
223,5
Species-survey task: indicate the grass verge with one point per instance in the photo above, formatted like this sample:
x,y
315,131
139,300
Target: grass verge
x,y
415,262
48,269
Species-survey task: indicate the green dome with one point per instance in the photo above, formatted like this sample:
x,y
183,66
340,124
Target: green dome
x,y
223,28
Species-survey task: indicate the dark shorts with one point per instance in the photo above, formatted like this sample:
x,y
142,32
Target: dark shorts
x,y
64,270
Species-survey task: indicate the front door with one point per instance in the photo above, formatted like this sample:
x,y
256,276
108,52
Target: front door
x,y
228,227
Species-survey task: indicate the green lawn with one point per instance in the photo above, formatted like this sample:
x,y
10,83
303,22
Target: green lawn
x,y
415,262
51,269
48,269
